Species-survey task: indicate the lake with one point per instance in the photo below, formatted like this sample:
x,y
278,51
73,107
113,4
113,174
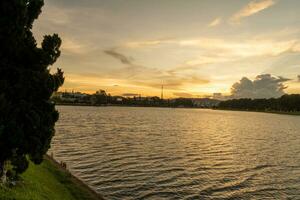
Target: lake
x,y
164,153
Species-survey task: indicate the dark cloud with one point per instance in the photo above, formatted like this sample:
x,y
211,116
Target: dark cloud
x,y
152,77
131,70
183,94
121,57
298,78
264,86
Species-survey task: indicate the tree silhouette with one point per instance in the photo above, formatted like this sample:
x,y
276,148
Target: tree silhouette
x,y
286,103
27,116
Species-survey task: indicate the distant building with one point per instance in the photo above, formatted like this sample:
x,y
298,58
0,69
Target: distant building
x,y
220,96
205,102
70,97
119,99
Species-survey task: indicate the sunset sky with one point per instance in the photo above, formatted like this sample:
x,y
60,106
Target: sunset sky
x,y
193,47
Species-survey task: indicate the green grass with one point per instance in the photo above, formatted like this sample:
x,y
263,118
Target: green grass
x,y
47,182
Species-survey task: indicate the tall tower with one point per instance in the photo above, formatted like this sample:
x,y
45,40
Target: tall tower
x,y
162,92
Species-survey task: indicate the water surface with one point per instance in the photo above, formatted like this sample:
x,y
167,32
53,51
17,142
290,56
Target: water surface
x,y
162,153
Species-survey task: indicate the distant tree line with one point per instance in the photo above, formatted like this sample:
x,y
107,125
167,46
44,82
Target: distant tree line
x,y
286,103
102,98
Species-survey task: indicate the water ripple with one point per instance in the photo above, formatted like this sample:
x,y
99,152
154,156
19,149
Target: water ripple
x,y
153,153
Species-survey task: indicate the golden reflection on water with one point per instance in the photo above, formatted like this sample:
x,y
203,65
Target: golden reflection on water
x,y
161,153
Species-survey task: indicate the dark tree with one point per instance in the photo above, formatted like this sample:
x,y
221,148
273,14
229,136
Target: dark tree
x,y
286,103
182,102
27,116
100,97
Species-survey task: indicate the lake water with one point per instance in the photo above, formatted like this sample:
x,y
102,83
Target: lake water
x,y
162,153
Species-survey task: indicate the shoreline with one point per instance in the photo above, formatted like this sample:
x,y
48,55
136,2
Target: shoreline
x,y
129,106
257,111
74,179
137,106
49,180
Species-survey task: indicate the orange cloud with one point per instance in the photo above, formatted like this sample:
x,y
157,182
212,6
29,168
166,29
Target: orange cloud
x,y
215,22
252,8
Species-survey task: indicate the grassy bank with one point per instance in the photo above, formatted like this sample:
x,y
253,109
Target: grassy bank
x,y
48,181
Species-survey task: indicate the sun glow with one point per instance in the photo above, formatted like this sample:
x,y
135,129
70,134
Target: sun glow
x,y
243,40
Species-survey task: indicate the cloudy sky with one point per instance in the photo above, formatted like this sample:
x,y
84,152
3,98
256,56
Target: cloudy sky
x,y
192,47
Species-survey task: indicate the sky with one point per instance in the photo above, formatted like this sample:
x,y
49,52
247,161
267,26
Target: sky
x,y
195,48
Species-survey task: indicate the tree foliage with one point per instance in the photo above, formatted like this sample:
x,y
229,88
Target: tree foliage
x,y
286,103
27,116
100,97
